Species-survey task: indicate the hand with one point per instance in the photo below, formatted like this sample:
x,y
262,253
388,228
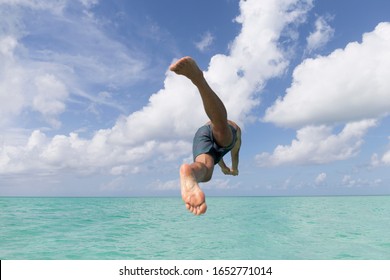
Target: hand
x,y
233,172
229,171
226,170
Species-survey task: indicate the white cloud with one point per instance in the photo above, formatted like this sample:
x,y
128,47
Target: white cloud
x,y
320,179
377,160
161,130
11,97
317,145
55,6
85,156
50,98
205,42
321,36
255,54
386,158
254,58
7,46
350,182
42,77
26,84
89,3
348,85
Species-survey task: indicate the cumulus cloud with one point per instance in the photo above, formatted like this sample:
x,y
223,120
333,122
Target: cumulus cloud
x,y
254,57
318,145
322,34
350,84
86,155
164,127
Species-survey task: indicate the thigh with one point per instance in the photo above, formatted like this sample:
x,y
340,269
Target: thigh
x,y
222,134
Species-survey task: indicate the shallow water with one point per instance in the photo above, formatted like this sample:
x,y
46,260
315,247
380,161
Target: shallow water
x,y
161,228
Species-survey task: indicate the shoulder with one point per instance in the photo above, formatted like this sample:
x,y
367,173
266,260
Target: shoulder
x,y
238,134
232,123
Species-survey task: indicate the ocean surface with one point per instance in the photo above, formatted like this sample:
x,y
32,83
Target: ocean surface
x,y
274,228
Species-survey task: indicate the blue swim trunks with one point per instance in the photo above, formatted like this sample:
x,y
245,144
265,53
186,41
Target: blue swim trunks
x,y
204,143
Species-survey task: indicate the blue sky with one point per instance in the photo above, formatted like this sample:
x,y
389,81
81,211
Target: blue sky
x,y
88,108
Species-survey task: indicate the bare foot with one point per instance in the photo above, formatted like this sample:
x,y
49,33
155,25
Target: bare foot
x,y
186,66
192,194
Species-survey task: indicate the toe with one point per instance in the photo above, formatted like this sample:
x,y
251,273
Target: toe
x,y
202,209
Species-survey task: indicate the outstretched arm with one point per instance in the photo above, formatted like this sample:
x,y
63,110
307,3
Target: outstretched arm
x,y
224,168
235,157
235,153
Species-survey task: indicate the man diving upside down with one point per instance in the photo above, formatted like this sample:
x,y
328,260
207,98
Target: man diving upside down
x,y
211,142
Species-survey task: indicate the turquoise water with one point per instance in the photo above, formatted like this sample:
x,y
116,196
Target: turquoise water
x,y
161,228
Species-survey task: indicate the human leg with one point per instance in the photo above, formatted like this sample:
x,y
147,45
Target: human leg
x,y
214,107
190,175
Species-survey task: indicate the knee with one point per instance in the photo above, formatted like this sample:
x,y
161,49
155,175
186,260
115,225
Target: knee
x,y
208,176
